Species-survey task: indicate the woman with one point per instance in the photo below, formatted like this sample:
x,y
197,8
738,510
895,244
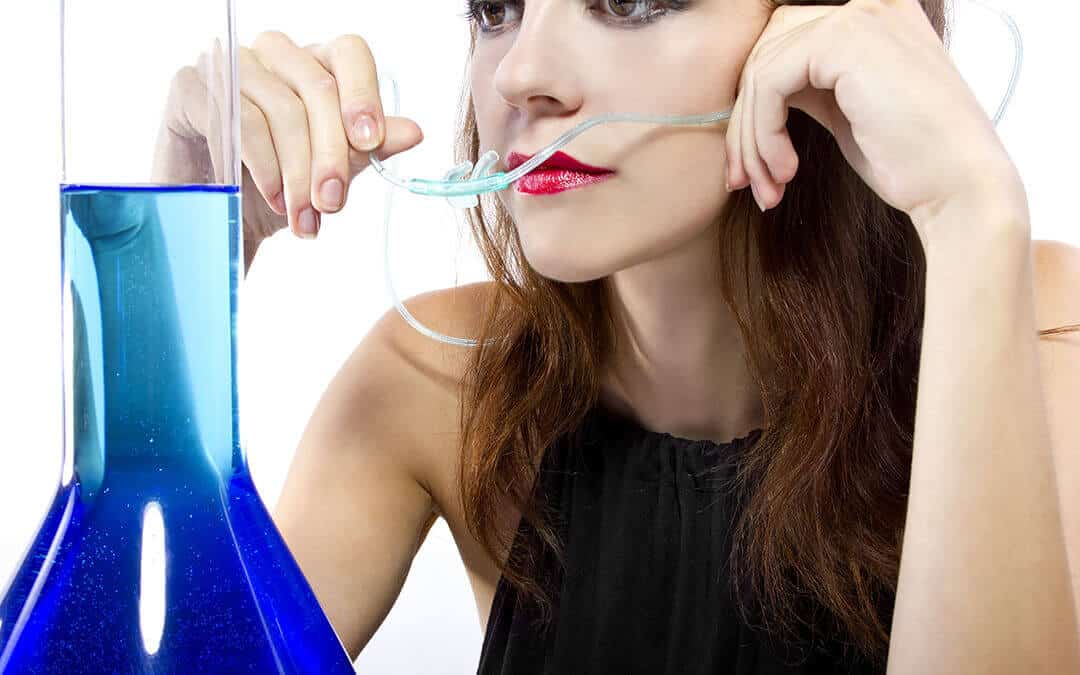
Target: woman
x,y
701,449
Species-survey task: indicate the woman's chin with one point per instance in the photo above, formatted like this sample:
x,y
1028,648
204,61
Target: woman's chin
x,y
566,276
565,269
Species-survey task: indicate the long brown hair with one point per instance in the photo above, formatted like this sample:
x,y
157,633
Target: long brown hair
x,y
833,335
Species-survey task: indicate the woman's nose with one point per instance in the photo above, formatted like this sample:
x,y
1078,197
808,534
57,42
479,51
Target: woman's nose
x,y
539,71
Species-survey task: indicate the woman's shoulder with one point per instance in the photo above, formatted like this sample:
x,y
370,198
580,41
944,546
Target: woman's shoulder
x,y
429,372
455,311
419,378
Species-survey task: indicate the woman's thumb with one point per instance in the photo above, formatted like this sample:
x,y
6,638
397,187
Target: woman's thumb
x,y
401,134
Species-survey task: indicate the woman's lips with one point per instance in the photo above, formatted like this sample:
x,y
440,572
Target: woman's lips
x,y
551,181
560,172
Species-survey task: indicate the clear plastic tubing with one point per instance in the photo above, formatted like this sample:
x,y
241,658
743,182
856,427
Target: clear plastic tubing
x,y
461,191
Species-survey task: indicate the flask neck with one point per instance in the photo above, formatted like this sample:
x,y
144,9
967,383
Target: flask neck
x,y
153,281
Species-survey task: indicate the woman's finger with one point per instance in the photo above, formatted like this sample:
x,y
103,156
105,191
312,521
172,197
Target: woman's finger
x,y
288,121
733,144
318,90
401,134
770,111
259,156
397,133
761,184
349,58
186,119
212,119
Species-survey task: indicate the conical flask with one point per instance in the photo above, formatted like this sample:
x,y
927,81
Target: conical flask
x,y
156,554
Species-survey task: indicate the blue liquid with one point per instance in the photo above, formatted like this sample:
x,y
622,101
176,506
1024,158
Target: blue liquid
x,y
152,446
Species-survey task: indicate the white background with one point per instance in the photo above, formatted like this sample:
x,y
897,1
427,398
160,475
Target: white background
x,y
305,305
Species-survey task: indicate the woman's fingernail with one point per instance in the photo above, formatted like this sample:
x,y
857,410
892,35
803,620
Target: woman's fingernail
x,y
366,130
332,193
753,188
308,223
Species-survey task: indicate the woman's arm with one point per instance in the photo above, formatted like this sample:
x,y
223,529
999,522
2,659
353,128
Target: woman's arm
x,y
984,584
1057,303
354,509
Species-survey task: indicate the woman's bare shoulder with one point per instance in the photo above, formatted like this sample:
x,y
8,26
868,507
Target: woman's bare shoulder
x,y
451,311
428,374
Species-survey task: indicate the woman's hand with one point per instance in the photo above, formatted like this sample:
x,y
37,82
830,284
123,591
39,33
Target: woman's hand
x,y
877,76
302,141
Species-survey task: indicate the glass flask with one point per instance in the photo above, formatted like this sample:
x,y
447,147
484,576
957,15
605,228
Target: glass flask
x,y
156,554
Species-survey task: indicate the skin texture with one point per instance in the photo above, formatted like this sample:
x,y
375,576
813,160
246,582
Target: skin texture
x,y
652,226
978,589
365,483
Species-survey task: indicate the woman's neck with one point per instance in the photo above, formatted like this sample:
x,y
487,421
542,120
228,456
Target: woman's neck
x,y
679,364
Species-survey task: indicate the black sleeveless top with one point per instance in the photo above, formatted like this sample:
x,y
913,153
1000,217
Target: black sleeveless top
x,y
645,519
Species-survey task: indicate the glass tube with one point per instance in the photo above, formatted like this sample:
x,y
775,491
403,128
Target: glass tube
x,y
156,553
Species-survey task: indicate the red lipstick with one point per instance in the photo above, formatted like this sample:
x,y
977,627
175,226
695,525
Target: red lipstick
x,y
558,173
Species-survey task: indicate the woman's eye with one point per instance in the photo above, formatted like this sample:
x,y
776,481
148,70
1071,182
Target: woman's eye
x,y
489,15
494,14
624,9
638,11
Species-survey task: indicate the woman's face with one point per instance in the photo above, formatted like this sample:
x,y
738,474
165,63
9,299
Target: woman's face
x,y
540,67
